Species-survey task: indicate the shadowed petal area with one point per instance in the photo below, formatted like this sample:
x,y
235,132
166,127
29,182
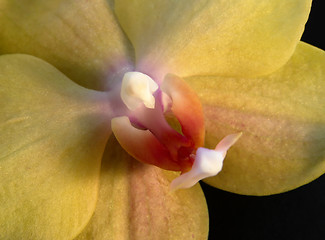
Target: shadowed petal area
x,y
282,118
135,203
80,38
226,38
53,135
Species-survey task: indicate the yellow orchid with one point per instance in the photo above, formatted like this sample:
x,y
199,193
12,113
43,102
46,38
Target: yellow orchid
x,y
76,74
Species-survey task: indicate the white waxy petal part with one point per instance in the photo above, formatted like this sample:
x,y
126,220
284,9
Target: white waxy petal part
x,y
207,163
227,142
138,88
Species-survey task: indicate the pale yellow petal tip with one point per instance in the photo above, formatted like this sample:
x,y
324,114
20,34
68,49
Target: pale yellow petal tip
x,y
138,88
207,163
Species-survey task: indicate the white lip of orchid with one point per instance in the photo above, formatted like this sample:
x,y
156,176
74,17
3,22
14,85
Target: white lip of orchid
x,y
138,88
207,163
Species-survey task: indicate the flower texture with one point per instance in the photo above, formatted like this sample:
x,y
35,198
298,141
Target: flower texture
x,y
106,105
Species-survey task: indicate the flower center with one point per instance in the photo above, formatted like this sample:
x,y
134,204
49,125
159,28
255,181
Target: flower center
x,y
147,136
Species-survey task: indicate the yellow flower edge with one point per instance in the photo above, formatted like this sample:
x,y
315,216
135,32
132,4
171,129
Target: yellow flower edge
x,y
237,38
282,118
53,134
82,39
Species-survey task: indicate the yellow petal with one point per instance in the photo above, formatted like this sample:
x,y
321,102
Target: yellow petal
x,y
282,117
80,38
135,203
227,38
52,136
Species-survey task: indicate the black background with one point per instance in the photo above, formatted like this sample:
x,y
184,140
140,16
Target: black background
x,y
298,214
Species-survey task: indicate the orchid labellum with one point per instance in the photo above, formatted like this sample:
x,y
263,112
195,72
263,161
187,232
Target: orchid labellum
x,y
111,112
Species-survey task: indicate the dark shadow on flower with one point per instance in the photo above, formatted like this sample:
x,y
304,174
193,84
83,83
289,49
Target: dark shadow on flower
x,y
297,214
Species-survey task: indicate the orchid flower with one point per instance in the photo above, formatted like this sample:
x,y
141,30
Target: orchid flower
x,y
112,111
